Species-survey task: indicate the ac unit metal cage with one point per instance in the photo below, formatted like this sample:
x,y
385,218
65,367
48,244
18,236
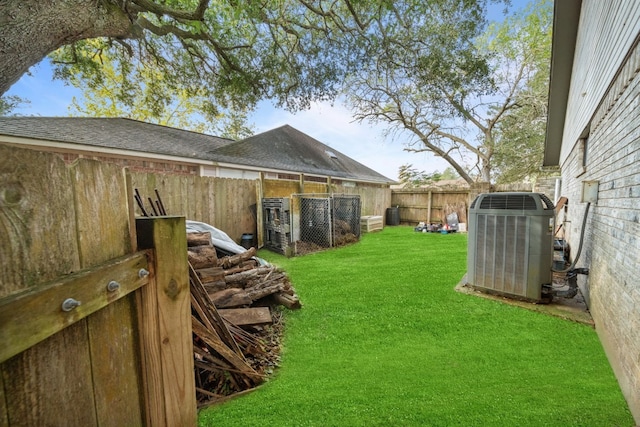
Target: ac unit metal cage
x,y
510,246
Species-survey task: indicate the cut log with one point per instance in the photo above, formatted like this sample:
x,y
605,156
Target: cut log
x,y
203,257
260,273
263,290
210,274
247,316
292,302
230,261
199,239
245,266
213,287
232,297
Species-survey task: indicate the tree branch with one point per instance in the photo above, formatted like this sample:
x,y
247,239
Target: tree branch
x,y
463,110
196,15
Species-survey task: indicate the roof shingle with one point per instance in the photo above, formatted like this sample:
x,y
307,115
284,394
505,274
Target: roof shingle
x,y
283,148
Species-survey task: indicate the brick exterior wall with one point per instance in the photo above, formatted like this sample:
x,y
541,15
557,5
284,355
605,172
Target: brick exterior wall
x,y
546,186
138,165
612,237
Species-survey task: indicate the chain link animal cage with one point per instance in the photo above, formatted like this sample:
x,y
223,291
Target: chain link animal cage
x,y
313,222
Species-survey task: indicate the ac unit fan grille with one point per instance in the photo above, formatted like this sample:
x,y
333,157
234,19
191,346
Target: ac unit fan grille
x,y
502,253
509,201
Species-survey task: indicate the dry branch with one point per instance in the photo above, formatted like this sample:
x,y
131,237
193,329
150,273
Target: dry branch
x,y
230,261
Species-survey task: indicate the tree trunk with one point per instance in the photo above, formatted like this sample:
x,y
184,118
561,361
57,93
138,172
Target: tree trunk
x,y
31,29
485,172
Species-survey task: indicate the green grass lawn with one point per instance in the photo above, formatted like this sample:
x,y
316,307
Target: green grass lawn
x,y
384,340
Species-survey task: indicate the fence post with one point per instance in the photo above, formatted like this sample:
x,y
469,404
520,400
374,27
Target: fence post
x,y
164,311
476,189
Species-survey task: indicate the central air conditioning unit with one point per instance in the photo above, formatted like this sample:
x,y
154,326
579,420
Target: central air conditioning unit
x,y
510,246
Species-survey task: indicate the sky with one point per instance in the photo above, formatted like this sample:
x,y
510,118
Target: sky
x,y
330,124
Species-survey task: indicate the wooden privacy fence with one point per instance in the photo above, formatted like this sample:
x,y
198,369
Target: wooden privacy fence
x,y
430,206
95,328
228,204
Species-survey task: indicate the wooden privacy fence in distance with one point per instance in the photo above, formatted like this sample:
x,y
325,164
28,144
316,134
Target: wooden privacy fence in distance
x,y
93,331
430,206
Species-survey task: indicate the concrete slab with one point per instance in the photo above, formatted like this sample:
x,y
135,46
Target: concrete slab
x,y
574,309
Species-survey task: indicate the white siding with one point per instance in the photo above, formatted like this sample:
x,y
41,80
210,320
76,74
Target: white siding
x,y
606,32
219,172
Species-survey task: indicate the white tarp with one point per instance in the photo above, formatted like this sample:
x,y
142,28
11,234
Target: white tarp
x,y
219,238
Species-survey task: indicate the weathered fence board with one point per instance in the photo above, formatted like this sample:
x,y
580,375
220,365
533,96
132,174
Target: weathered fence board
x,y
58,220
114,359
102,211
224,203
235,206
38,217
37,220
51,384
279,188
32,316
374,200
4,421
167,345
150,359
103,224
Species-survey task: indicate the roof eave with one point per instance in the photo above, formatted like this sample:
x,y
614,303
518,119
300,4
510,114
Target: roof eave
x,y
566,16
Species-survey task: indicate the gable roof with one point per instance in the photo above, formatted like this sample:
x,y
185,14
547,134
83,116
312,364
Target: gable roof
x,y
283,148
289,149
119,133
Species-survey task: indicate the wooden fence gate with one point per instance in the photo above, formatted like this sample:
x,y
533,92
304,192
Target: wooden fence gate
x,y
95,320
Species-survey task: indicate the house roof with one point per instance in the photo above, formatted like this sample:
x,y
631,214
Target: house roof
x,y
283,148
120,133
289,149
566,15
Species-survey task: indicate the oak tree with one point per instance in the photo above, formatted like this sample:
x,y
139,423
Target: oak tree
x,y
445,85
233,51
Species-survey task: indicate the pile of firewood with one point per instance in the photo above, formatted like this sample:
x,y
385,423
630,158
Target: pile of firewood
x,y
236,318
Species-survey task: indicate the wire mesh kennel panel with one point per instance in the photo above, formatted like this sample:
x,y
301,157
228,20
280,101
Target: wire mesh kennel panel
x,y
315,221
346,219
